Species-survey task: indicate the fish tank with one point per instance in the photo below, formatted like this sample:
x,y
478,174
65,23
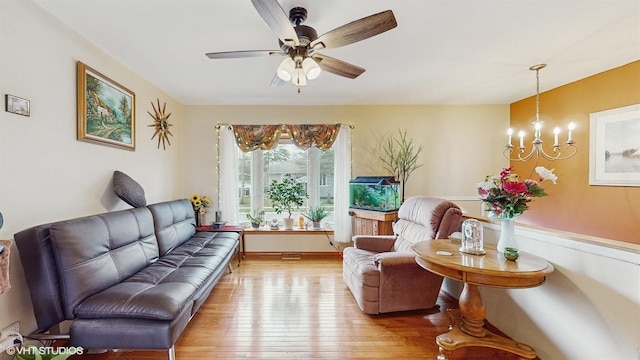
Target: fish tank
x,y
376,193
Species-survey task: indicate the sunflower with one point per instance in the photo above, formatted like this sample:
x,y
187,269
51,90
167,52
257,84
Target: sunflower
x,y
200,203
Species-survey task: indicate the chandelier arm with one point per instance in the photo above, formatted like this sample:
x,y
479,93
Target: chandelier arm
x,y
509,150
538,151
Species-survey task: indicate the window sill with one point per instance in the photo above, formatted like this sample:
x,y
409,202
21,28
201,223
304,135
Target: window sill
x,y
295,231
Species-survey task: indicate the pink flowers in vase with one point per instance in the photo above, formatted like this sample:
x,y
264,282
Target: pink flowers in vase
x,y
508,196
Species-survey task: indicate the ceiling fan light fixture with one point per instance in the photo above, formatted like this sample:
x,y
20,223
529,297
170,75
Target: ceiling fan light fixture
x,y
299,78
298,42
286,69
311,68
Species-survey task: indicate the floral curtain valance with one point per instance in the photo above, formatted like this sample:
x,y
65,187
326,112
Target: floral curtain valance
x,y
265,137
320,136
253,137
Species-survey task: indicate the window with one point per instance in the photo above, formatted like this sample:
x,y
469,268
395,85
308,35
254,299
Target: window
x,y
256,169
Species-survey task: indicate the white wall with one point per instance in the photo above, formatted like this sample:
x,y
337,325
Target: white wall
x,y
293,243
589,307
45,173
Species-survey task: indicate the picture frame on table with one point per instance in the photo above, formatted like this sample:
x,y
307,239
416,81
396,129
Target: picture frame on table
x,y
17,105
106,110
614,157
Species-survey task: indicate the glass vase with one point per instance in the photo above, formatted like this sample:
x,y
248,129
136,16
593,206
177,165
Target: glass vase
x,y
200,219
507,232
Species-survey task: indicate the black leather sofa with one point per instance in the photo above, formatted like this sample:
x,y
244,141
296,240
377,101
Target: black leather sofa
x,y
129,279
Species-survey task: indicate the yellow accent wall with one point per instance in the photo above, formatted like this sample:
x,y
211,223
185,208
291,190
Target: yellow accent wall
x,y
611,212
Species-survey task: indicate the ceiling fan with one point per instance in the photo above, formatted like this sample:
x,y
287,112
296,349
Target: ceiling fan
x,y
299,43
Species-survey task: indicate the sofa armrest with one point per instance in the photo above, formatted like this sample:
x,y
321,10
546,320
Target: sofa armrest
x,y
379,243
395,259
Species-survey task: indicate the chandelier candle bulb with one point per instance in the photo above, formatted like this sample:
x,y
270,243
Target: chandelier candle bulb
x,y
571,127
510,132
521,135
556,131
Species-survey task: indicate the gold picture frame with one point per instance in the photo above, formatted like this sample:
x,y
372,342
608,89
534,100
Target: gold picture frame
x,y
106,110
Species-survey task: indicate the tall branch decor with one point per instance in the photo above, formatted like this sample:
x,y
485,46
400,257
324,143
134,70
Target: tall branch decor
x,y
401,158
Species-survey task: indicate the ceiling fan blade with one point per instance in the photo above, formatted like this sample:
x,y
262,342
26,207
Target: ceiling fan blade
x,y
338,67
243,54
357,30
277,19
276,81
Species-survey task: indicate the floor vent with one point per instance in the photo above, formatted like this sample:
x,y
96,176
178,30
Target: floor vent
x,y
291,256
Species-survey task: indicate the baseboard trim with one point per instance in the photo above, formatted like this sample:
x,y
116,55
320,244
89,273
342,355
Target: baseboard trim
x,y
289,255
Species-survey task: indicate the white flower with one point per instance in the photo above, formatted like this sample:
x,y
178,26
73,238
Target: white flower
x,y
546,174
485,186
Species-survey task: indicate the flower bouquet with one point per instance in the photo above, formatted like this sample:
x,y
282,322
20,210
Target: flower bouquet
x,y
507,197
200,205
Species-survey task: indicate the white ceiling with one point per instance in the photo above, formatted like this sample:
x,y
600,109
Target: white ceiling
x,y
442,52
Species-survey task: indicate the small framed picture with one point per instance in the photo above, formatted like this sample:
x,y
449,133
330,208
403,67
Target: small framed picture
x,y
16,105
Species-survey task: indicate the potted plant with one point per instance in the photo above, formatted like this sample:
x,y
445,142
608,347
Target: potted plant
x,y
315,214
256,219
401,158
286,195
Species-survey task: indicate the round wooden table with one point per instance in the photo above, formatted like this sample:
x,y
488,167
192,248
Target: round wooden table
x,y
492,270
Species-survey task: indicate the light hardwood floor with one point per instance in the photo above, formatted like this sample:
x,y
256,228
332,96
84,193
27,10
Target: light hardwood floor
x,y
270,308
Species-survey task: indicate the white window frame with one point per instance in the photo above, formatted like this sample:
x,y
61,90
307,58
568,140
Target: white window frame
x,y
313,184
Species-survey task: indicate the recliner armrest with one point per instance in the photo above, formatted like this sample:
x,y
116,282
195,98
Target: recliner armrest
x,y
379,243
395,259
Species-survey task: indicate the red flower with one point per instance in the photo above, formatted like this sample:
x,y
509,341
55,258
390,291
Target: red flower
x,y
514,187
504,174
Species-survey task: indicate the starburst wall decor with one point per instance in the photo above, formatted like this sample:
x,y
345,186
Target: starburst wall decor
x,y
161,124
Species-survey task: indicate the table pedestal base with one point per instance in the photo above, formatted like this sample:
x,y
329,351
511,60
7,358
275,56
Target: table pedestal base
x,y
491,269
457,338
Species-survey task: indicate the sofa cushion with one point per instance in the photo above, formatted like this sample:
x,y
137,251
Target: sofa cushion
x,y
162,290
111,247
174,223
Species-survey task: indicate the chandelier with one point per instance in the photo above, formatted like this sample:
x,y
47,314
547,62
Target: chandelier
x,y
537,150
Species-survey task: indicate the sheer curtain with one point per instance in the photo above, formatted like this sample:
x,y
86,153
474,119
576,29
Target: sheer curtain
x,y
228,171
228,175
342,173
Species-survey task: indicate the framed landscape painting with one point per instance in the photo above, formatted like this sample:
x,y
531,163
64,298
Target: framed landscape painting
x,y
614,157
106,110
